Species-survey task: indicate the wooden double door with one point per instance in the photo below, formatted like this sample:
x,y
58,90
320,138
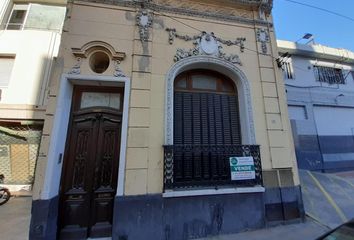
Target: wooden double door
x,y
89,178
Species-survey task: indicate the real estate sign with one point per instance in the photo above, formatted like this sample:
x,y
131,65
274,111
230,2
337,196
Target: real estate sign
x,y
242,168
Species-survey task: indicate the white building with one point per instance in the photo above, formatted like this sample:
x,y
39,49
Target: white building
x,y
29,42
320,91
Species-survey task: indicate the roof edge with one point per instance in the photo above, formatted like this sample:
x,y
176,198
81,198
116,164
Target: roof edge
x,y
316,51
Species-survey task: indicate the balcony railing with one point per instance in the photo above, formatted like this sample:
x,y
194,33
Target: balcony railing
x,y
190,166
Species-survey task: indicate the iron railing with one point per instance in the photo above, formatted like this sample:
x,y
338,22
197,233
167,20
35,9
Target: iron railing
x,y
189,166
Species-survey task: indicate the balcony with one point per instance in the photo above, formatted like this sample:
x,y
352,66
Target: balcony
x,y
198,166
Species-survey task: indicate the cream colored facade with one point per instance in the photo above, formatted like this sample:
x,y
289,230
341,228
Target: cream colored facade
x,y
148,65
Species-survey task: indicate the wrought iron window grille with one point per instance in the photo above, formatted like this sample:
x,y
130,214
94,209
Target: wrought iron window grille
x,y
329,75
196,166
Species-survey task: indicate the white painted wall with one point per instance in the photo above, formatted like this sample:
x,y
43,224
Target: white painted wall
x,y
34,52
297,112
305,77
328,108
334,121
3,8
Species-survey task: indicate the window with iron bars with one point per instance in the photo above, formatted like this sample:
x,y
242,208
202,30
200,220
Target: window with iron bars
x,y
288,70
329,75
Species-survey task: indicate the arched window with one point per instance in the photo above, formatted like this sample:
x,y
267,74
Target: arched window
x,y
206,122
204,81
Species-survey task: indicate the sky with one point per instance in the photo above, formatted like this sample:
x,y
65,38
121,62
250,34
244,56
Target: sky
x,y
292,21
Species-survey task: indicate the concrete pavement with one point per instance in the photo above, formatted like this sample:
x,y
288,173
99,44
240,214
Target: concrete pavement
x,y
15,218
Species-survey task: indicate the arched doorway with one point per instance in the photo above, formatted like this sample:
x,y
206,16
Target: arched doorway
x,y
206,120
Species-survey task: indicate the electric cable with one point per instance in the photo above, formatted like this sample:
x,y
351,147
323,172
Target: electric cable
x,y
255,51
187,25
321,9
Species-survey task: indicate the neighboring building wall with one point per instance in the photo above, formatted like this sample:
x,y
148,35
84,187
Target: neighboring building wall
x,y
145,72
31,69
26,58
321,113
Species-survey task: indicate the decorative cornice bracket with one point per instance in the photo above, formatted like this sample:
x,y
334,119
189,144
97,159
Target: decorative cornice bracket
x,y
263,38
76,69
117,70
144,22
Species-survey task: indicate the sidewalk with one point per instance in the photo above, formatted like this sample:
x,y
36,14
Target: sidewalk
x,y
308,230
15,218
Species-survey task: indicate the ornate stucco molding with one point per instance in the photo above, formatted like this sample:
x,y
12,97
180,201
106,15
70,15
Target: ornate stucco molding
x,y
208,7
76,69
263,38
144,22
117,70
220,65
92,46
95,46
265,8
206,44
222,16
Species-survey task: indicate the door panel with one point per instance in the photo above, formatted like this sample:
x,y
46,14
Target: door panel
x,y
90,172
105,176
76,186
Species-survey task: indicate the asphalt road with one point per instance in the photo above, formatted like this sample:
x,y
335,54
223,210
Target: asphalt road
x,y
328,198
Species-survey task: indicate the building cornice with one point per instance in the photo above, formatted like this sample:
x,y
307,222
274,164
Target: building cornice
x,y
261,5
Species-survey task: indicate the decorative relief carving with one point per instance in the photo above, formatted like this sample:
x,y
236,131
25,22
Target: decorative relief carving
x,y
205,8
117,70
93,46
263,38
80,159
76,68
144,22
97,46
191,8
265,8
206,44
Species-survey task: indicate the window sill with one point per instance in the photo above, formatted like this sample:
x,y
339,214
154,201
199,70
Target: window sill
x,y
202,192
